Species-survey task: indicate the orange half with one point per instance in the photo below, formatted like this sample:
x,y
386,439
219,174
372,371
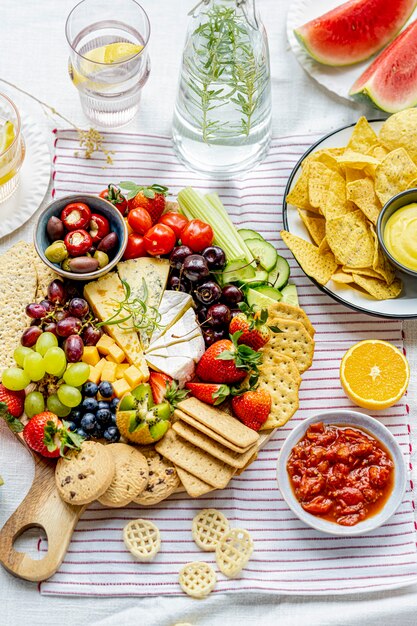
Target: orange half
x,y
374,374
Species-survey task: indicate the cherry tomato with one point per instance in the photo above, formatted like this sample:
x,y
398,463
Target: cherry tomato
x,y
197,235
135,247
78,242
176,221
159,239
75,215
139,220
115,196
99,227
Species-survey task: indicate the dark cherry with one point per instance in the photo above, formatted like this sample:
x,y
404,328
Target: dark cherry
x,y
234,312
208,292
30,336
91,335
215,257
177,283
218,315
211,335
232,294
78,307
195,267
178,256
202,314
56,292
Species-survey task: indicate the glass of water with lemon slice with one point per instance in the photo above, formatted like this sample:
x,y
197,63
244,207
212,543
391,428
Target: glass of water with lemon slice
x,y
12,147
109,62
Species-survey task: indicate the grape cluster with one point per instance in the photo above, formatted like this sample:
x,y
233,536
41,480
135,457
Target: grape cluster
x,y
196,274
96,416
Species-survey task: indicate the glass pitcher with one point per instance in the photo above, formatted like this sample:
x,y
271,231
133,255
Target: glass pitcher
x,y
222,116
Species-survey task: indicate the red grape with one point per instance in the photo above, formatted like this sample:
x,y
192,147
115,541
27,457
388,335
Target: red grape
x,y
91,335
73,348
60,315
68,326
51,328
35,311
48,306
78,307
30,336
56,292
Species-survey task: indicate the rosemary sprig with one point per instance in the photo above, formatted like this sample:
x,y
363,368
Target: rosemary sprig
x,y
141,316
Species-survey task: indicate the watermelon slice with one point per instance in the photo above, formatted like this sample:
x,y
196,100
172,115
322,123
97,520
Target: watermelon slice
x,y
390,82
354,31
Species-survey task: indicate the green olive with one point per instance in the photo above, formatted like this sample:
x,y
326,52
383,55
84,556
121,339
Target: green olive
x,y
102,258
56,252
65,264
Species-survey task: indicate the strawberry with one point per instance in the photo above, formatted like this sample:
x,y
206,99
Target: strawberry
x,y
150,198
14,400
165,389
252,408
46,434
252,325
210,393
227,362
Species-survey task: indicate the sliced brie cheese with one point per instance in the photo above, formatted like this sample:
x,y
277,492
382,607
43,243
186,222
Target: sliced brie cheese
x,y
146,277
173,306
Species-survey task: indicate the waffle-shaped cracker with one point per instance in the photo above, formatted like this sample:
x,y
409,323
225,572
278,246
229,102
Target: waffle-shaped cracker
x,y
209,526
197,579
142,539
234,551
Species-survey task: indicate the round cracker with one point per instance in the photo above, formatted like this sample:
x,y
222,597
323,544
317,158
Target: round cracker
x,y
209,526
142,539
197,579
293,341
234,551
163,479
284,310
130,476
84,475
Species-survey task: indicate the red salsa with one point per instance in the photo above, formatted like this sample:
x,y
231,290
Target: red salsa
x,y
340,474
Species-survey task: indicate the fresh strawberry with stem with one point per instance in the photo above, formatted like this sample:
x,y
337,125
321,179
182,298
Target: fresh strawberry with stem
x,y
227,361
253,326
15,400
151,198
210,393
165,389
252,407
46,434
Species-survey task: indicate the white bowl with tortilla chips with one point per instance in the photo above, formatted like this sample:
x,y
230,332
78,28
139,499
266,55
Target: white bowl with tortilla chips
x,y
329,211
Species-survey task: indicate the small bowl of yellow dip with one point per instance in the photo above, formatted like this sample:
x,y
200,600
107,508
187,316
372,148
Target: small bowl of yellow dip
x,y
397,231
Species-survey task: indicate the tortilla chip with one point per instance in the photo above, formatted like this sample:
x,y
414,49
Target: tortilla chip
x,y
362,271
377,288
298,195
342,278
358,161
324,247
381,264
315,225
394,174
337,203
363,137
378,152
350,240
400,131
318,266
351,174
362,193
318,184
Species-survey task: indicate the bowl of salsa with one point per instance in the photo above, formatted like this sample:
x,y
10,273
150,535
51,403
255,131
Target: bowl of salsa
x,y
397,231
342,472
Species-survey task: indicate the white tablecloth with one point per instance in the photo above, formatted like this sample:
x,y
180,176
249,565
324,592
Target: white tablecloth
x,y
33,54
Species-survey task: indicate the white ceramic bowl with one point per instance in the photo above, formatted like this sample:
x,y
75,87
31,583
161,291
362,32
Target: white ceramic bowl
x,y
373,427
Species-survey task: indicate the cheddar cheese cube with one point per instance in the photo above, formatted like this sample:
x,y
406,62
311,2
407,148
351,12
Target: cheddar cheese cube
x,y
116,354
94,376
90,355
133,376
120,387
120,369
109,372
101,364
104,344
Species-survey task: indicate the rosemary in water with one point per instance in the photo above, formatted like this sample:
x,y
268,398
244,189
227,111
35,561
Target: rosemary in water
x,y
223,68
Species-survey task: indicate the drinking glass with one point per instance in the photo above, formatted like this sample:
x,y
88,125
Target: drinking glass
x,y
12,147
109,62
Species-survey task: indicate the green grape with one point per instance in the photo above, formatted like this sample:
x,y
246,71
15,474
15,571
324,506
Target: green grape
x,y
20,353
15,379
70,396
55,405
34,403
55,361
44,342
34,366
77,374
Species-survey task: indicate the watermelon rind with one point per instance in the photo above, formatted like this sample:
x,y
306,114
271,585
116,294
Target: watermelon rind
x,y
354,31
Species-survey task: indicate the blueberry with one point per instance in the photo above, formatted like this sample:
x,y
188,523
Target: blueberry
x,y
114,403
113,420
82,433
103,417
88,422
103,404
72,426
90,405
76,415
105,389
112,434
98,431
90,390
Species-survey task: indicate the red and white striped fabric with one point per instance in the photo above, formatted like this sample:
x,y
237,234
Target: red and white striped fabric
x,y
289,557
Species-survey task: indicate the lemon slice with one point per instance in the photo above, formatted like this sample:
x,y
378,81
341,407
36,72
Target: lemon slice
x,y
112,53
7,136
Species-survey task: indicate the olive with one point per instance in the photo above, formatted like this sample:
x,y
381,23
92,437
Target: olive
x,y
56,252
65,264
83,265
55,228
109,242
101,257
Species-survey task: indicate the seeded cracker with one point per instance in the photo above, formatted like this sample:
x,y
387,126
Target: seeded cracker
x,y
18,283
282,309
280,377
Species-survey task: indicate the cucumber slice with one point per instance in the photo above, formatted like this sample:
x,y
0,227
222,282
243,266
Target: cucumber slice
x,y
289,295
280,274
270,292
247,233
263,252
256,299
237,272
261,277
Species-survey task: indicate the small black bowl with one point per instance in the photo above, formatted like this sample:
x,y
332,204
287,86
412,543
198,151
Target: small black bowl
x,y
397,202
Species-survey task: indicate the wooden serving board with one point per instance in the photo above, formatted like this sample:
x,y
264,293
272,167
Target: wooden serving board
x,y
43,508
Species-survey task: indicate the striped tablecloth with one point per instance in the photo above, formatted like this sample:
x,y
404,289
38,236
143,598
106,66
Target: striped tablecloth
x,y
289,557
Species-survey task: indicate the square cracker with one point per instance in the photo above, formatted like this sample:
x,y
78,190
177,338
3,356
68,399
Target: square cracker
x,y
193,485
282,309
207,431
198,463
222,423
190,434
293,341
279,376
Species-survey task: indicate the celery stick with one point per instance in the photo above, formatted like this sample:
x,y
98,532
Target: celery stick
x,y
214,200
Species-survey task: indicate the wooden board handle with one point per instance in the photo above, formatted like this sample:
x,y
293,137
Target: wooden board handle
x,y
42,508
